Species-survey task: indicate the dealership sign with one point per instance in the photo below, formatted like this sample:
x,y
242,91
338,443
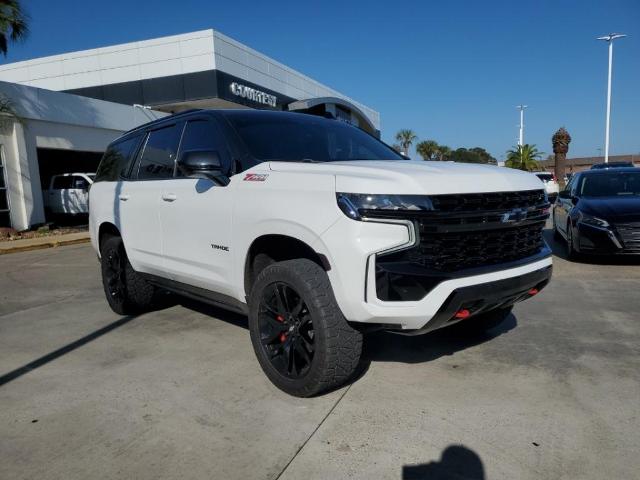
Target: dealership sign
x,y
253,94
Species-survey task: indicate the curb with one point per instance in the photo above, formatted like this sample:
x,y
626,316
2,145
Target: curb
x,y
40,246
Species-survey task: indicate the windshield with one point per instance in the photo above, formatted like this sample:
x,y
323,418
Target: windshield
x,y
610,184
299,137
547,177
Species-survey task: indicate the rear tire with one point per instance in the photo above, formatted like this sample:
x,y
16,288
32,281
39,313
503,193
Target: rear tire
x,y
301,339
126,291
483,322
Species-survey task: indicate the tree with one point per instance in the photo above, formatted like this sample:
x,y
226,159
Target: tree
x,y
443,153
472,155
524,157
427,149
485,156
406,138
13,23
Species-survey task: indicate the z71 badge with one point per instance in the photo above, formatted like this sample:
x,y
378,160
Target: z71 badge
x,y
255,177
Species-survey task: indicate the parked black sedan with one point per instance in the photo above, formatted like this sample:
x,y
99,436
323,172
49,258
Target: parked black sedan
x,y
598,212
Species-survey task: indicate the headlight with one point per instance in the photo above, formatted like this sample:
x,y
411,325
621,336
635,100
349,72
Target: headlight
x,y
593,221
358,205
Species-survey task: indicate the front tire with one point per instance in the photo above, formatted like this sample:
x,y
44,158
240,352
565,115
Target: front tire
x,y
572,253
126,291
301,339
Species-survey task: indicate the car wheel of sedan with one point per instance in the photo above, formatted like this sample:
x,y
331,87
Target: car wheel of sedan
x,y
572,253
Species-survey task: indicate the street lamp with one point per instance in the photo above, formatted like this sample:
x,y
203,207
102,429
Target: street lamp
x,y
521,108
609,38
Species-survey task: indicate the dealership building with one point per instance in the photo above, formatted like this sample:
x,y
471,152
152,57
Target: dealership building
x,y
58,113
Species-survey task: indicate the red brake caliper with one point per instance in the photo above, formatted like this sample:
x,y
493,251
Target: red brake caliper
x,y
283,336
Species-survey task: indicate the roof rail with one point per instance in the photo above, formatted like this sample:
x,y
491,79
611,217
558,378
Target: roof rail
x,y
162,119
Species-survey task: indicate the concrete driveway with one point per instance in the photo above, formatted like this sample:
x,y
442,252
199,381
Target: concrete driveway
x,y
177,393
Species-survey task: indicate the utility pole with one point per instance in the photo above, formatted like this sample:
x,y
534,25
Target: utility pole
x,y
521,138
609,39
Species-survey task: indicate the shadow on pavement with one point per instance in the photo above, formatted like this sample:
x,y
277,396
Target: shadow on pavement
x,y
457,462
50,357
392,347
217,313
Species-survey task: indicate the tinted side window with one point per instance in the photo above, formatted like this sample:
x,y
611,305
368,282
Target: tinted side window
x,y
159,155
203,135
116,160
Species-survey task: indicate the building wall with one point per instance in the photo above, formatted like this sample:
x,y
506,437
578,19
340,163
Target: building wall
x,y
194,52
577,164
47,119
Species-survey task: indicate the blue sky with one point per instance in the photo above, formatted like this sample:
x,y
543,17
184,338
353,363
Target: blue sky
x,y
452,71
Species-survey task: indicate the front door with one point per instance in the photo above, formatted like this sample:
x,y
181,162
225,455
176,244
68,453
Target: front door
x,y
196,218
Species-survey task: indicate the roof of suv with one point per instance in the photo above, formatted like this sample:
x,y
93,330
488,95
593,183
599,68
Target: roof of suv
x,y
226,112
605,171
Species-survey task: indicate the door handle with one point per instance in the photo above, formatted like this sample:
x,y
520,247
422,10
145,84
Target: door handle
x,y
124,198
169,197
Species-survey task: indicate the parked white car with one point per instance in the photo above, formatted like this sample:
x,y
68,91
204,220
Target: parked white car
x,y
550,184
68,193
316,230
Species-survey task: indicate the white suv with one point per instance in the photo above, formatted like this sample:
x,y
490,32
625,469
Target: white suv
x,y
550,185
316,230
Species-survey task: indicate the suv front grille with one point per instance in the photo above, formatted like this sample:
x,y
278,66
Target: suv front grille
x,y
473,230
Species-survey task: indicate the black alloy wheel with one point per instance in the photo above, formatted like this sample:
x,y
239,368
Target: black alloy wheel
x,y
115,274
571,253
127,292
286,330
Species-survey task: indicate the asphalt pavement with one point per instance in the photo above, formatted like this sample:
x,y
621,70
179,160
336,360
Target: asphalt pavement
x,y
177,393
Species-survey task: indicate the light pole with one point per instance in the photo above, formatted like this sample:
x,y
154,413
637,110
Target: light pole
x,y
521,138
609,38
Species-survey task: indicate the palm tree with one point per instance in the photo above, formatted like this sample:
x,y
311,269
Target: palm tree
x,y
406,138
13,23
427,149
443,153
523,157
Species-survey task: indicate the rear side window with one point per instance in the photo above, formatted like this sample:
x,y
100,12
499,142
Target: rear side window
x,y
159,155
116,160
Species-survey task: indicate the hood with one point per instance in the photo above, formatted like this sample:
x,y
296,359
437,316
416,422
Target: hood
x,y
416,177
619,208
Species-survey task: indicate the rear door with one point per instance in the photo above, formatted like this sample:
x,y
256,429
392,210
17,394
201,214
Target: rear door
x,y
139,199
196,216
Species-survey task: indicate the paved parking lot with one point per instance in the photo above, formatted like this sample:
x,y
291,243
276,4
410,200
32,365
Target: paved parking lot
x,y
177,393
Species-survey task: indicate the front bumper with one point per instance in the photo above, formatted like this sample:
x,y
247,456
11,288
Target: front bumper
x,y
352,247
476,299
607,241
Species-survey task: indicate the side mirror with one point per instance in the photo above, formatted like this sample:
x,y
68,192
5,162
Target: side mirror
x,y
564,194
200,163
